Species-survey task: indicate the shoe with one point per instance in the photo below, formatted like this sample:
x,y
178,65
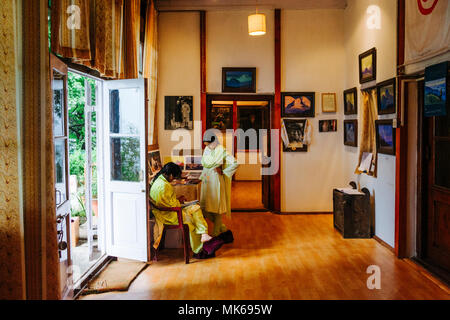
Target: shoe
x,y
203,255
213,245
227,237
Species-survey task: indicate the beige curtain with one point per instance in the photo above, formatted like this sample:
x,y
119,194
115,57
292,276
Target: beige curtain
x,y
368,139
131,41
151,70
71,29
108,38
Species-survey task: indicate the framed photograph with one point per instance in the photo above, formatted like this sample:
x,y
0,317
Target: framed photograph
x,y
368,66
351,133
221,117
351,101
179,113
193,163
154,163
329,102
385,137
242,80
327,125
386,97
293,135
298,104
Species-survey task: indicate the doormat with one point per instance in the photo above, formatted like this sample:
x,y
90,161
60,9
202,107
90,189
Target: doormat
x,y
117,276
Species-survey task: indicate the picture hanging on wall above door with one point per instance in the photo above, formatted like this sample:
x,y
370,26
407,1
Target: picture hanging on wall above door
x,y
179,113
368,66
298,104
239,80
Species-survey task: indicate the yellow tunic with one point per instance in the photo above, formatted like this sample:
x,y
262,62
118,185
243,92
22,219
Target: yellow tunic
x,y
163,195
215,197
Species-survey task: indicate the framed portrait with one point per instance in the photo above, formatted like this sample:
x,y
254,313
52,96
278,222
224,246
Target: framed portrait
x,y
329,102
327,125
221,117
179,113
368,66
351,133
154,163
385,137
386,97
293,135
351,101
298,104
242,80
193,163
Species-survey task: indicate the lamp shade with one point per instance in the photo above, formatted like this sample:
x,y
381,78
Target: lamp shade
x,y
257,24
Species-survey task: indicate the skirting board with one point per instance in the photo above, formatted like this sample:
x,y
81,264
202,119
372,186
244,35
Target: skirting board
x,y
298,213
384,244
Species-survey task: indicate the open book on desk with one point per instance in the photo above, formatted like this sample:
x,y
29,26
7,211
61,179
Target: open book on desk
x,y
190,203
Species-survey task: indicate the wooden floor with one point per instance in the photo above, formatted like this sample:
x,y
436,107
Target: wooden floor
x,y
282,257
246,195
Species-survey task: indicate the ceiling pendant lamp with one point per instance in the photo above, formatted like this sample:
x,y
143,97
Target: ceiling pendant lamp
x,y
257,24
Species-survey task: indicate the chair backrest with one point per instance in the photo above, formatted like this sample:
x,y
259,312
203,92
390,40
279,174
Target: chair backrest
x,y
178,210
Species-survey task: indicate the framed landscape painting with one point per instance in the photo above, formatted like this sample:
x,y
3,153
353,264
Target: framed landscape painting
x,y
351,133
298,104
386,97
385,137
241,80
350,101
368,66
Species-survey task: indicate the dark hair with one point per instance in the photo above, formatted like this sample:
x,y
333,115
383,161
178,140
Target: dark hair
x,y
169,169
209,137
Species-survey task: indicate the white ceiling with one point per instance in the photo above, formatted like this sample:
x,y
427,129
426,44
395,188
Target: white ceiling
x,y
249,4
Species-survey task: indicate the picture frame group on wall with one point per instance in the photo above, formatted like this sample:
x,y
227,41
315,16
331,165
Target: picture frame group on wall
x,y
298,104
368,66
385,136
329,104
351,133
239,80
386,97
351,101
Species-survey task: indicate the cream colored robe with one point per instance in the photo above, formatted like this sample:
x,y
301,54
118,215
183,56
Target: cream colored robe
x,y
216,189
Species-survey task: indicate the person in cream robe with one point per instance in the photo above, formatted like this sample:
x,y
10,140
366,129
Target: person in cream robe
x,y
215,200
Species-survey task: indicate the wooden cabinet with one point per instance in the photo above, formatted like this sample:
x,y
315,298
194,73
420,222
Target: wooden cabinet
x,y
351,214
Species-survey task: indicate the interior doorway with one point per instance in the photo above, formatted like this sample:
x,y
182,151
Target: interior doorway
x,y
245,122
433,223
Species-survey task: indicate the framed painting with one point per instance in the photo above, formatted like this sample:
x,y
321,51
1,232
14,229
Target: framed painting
x,y
385,134
368,66
154,163
351,101
327,125
298,105
221,117
329,102
179,113
386,97
293,135
351,133
241,80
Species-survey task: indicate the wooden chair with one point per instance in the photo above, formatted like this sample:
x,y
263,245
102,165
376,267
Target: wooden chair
x,y
183,227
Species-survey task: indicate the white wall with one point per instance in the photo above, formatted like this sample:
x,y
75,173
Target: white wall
x,y
313,56
178,69
358,38
228,44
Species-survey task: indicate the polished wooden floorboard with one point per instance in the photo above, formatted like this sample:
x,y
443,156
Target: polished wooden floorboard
x,y
282,257
246,195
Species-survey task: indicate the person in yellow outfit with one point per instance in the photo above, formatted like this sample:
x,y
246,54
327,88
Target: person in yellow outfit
x,y
215,200
163,195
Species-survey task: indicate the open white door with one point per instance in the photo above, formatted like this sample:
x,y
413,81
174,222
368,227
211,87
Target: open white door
x,y
124,165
